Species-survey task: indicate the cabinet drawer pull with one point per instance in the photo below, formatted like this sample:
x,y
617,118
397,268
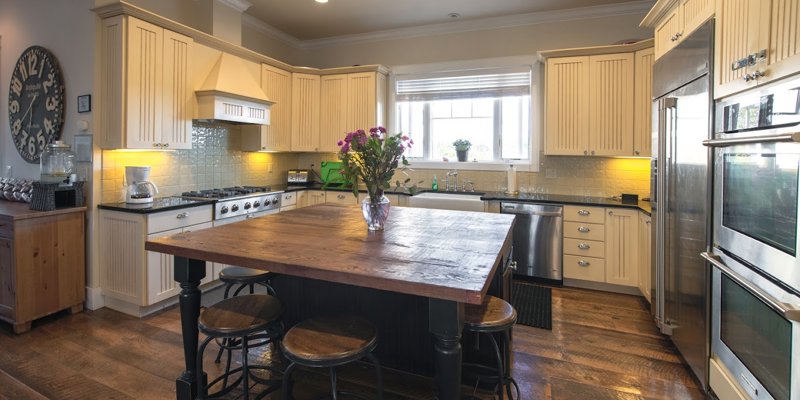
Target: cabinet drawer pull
x,y
182,215
583,246
340,196
583,229
287,197
647,222
583,212
584,263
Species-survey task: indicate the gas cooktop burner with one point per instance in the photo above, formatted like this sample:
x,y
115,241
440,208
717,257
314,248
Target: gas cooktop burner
x,y
226,192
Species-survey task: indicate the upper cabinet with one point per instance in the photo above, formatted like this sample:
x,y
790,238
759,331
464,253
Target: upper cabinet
x,y
674,20
305,112
277,136
591,97
145,86
350,102
755,42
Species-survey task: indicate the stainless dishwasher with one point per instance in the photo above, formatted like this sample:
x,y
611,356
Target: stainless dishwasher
x,y
538,239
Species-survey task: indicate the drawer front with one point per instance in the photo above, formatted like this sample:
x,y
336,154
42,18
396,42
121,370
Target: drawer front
x,y
180,218
344,198
584,231
584,248
584,268
592,215
289,199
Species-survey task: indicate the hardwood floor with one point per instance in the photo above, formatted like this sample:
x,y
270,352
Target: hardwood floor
x,y
602,346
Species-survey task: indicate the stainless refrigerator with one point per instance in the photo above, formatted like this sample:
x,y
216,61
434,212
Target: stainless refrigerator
x,y
680,191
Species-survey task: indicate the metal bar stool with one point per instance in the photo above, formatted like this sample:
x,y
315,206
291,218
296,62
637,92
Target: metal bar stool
x,y
328,342
245,318
244,278
493,316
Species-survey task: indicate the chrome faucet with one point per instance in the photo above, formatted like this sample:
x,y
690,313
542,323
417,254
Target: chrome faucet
x,y
451,185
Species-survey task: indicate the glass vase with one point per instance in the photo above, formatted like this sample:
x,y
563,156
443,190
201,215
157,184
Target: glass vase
x,y
375,214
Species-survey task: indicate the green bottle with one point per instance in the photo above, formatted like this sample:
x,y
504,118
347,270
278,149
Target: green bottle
x,y
435,184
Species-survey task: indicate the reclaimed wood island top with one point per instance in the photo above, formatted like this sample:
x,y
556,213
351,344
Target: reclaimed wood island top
x,y
448,255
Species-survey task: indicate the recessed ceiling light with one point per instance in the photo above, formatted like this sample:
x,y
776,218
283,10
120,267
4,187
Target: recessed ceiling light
x,y
454,15
321,1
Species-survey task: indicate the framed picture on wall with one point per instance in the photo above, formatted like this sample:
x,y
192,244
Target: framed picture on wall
x,y
84,103
83,148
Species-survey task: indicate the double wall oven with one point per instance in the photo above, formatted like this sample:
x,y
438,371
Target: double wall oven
x,y
755,303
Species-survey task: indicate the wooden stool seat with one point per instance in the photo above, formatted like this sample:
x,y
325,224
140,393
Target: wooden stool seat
x,y
493,315
329,340
240,315
244,275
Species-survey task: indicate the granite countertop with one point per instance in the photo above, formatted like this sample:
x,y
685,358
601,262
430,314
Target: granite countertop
x,y
159,204
566,199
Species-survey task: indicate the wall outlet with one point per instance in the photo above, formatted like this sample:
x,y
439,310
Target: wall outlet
x,y
550,173
269,167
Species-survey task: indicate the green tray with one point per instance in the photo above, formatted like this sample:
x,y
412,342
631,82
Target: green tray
x,y
329,172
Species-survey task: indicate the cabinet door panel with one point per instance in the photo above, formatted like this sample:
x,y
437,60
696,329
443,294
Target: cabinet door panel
x,y
611,105
277,85
305,112
643,98
7,278
177,91
566,106
144,85
361,101
694,13
784,39
644,256
334,109
622,245
736,36
161,282
665,32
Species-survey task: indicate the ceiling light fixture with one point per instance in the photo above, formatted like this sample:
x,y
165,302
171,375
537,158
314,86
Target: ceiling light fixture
x,y
321,1
454,15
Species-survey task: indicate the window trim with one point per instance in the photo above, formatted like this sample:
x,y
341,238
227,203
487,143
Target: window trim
x,y
536,109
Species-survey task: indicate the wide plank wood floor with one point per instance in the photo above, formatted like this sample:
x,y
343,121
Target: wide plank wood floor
x,y
602,346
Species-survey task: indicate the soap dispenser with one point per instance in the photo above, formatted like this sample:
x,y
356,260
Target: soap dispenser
x,y
435,184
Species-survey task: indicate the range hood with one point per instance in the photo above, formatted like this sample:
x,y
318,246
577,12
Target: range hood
x,y
230,94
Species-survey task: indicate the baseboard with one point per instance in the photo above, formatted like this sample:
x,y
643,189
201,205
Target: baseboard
x,y
209,296
94,298
606,287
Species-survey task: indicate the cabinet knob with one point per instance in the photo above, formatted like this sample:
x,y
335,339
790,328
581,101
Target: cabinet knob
x,y
647,222
583,246
583,229
288,197
636,152
610,213
165,144
584,212
592,152
156,144
263,148
586,152
584,263
182,215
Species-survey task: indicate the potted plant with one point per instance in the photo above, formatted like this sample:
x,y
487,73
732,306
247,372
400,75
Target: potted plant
x,y
462,148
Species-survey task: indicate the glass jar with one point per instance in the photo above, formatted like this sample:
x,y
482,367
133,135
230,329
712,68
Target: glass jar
x,y
57,163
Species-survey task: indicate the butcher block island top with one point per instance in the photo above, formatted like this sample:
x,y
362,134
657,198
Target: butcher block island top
x,y
441,254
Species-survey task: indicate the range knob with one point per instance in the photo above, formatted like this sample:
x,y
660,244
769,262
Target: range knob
x,y
274,200
256,204
223,210
235,207
247,205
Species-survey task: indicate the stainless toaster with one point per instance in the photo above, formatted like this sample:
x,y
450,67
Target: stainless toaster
x,y
296,176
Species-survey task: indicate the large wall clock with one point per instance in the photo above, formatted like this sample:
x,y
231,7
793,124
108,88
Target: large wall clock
x,y
35,102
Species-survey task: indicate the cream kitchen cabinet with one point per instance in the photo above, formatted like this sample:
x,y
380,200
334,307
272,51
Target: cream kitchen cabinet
x,y
622,247
591,99
350,102
289,200
584,243
277,136
135,281
674,20
644,252
145,86
305,112
754,43
643,102
341,198
310,198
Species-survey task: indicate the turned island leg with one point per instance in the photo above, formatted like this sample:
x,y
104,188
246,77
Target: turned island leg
x,y
188,273
445,322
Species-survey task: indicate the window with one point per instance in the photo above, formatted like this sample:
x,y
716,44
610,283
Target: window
x,y
490,108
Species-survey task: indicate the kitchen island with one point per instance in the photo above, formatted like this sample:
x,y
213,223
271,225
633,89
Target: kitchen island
x,y
447,258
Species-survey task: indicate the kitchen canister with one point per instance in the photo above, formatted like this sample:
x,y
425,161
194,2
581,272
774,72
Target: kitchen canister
x,y
511,183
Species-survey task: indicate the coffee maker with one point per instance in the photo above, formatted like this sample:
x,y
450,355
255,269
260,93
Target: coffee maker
x,y
138,187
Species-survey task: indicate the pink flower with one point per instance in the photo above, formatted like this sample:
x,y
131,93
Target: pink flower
x,y
411,141
339,143
382,129
373,130
404,137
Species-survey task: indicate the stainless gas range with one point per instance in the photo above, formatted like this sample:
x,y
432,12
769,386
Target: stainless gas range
x,y
239,202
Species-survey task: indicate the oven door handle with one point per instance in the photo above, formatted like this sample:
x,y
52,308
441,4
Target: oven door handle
x,y
788,312
783,137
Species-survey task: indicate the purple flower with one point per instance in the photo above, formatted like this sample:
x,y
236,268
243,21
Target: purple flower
x,y
346,147
411,141
382,129
373,130
339,143
404,137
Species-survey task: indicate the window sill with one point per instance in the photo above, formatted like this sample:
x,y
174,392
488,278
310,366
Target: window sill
x,y
520,165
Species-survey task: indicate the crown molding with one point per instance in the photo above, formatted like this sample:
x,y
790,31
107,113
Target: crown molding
x,y
271,31
238,5
640,7
589,51
659,11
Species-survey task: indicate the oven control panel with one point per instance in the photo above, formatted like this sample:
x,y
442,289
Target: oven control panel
x,y
246,205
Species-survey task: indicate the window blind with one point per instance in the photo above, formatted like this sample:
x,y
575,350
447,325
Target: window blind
x,y
464,87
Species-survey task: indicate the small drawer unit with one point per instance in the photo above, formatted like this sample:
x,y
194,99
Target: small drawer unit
x,y
181,218
584,248
584,231
584,243
343,198
288,199
585,268
592,215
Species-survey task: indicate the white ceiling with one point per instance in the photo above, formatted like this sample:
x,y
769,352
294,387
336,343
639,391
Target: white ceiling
x,y
307,19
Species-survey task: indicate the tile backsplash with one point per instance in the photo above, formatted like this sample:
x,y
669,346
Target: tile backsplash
x,y
214,161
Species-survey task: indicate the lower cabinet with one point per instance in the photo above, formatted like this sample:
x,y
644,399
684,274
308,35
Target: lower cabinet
x,y
135,281
645,260
603,245
310,198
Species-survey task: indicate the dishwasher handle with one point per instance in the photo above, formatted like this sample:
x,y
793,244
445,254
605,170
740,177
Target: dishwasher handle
x,y
512,209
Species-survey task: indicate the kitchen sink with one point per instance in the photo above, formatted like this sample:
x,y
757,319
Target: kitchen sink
x,y
447,201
